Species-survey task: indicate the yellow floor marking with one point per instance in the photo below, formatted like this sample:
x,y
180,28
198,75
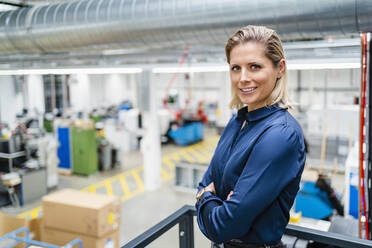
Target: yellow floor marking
x,y
124,184
187,156
92,189
165,175
203,150
212,140
208,154
108,187
193,145
24,215
202,159
133,194
175,156
136,177
35,212
168,163
210,145
30,213
200,150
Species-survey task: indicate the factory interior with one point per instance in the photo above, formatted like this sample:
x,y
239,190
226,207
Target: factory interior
x,y
111,110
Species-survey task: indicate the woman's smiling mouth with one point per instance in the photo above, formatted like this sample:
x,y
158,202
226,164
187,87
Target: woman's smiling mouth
x,y
248,90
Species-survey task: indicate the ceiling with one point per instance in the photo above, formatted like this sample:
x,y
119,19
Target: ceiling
x,y
63,44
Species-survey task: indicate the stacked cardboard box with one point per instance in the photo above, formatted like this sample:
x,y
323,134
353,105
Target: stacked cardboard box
x,y
10,223
69,214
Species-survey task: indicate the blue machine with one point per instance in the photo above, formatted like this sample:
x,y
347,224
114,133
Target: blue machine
x,y
64,149
188,134
313,202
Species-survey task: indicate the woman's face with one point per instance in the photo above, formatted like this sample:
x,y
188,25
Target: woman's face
x,y
253,75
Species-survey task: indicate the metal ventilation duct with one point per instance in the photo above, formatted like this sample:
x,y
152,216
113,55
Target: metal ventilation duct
x,y
147,24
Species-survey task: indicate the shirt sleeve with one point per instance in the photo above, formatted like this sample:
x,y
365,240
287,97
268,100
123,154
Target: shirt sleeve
x,y
207,177
275,160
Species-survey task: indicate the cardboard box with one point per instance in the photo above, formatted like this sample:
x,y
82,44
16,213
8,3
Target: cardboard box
x,y
58,237
11,223
81,212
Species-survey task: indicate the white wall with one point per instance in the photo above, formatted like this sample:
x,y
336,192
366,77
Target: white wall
x,y
35,93
10,102
342,86
119,87
205,86
115,89
97,88
79,92
92,91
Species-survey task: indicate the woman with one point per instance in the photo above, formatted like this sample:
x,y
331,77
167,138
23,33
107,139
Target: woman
x,y
245,195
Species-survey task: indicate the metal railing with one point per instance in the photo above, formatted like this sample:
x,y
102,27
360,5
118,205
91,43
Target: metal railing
x,y
184,218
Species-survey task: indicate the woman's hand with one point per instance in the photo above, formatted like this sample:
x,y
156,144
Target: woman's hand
x,y
230,194
211,188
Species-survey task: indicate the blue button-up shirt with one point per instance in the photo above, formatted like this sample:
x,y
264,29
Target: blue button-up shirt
x,y
262,164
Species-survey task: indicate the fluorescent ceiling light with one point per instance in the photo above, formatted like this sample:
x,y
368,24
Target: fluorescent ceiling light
x,y
321,66
290,66
65,71
204,68
218,68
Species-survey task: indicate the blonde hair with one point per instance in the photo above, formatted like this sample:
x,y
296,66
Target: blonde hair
x,y
273,50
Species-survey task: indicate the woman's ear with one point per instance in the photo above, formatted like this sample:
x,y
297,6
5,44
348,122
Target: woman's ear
x,y
282,65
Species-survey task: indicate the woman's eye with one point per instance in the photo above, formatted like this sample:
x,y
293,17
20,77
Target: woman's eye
x,y
255,67
235,68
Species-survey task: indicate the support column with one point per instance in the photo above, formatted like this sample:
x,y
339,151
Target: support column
x,y
8,100
150,144
223,104
186,232
36,93
80,92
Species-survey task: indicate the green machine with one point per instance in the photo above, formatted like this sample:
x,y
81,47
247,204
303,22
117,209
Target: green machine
x,y
84,151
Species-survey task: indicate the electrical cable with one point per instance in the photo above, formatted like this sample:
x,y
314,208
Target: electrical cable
x,y
188,98
361,145
364,177
294,244
362,202
174,76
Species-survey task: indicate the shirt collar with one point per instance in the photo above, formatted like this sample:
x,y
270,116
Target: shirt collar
x,y
257,114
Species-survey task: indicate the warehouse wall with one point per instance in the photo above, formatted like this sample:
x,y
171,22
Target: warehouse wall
x,y
16,94
79,92
205,86
92,91
307,87
10,101
324,87
35,92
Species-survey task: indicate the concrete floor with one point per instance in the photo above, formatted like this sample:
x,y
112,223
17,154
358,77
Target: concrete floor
x,y
147,208
135,215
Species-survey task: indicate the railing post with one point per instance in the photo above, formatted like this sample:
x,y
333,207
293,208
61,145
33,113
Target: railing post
x,y
186,231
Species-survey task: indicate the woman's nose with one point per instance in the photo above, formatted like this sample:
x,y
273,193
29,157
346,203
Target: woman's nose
x,y
244,76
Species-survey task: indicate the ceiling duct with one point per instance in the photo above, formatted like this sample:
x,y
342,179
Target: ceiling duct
x,y
88,25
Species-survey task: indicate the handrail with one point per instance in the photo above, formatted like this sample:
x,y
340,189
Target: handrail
x,y
184,217
328,238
